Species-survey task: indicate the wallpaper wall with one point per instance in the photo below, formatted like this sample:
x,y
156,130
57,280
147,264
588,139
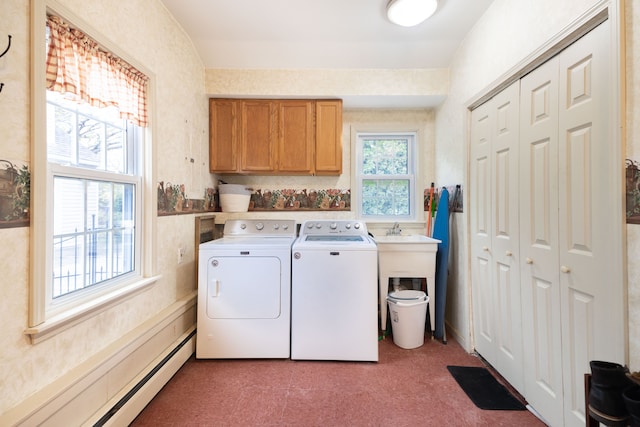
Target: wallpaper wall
x,y
181,151
144,30
506,42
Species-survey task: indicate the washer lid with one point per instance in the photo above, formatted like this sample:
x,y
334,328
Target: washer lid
x,y
407,295
334,238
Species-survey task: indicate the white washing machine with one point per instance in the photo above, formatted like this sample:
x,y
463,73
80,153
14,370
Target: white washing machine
x,y
244,291
334,292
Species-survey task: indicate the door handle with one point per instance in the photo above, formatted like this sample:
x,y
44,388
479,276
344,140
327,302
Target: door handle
x,y
214,288
529,260
508,253
565,269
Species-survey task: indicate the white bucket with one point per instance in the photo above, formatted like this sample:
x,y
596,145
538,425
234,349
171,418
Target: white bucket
x,y
234,197
408,312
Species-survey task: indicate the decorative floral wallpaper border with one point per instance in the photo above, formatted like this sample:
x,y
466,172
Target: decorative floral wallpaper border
x,y
172,200
15,194
305,199
632,174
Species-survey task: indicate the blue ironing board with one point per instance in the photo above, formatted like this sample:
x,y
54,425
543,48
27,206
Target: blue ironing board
x,y
441,232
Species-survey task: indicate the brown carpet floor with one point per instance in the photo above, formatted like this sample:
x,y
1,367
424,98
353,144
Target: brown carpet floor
x,y
405,388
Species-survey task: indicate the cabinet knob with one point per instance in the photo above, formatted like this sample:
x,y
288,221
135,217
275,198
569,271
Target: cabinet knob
x,y
565,269
508,253
485,248
529,260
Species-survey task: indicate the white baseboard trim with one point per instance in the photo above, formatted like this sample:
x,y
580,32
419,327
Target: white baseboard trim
x,y
92,389
126,408
461,340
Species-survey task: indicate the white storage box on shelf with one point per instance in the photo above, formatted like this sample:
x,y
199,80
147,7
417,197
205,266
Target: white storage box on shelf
x,y
234,197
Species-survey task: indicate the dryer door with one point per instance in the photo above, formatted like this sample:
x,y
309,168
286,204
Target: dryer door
x,y
243,288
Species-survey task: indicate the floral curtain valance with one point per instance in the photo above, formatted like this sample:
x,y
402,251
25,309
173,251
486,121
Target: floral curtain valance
x,y
77,66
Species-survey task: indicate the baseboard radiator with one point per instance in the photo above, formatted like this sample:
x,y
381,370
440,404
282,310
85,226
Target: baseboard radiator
x,y
114,386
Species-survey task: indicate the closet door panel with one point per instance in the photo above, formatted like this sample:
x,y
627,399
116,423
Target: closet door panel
x,y
592,294
481,233
494,231
541,214
539,241
505,244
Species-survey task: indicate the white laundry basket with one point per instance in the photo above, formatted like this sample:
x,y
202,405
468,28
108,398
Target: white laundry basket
x,y
234,197
408,312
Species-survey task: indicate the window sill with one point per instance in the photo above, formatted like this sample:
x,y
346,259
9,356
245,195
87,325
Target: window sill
x,y
63,321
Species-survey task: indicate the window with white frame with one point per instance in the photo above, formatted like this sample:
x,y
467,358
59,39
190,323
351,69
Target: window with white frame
x,y
385,175
90,166
93,161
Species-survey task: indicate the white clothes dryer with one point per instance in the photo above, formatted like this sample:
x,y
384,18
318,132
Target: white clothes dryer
x,y
334,292
244,291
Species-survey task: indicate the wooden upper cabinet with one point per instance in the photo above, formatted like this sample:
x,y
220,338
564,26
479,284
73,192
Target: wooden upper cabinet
x,y
223,116
328,138
269,136
258,136
296,137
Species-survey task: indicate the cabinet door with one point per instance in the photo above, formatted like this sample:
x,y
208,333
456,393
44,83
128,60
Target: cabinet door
x,y
258,136
328,144
223,135
295,137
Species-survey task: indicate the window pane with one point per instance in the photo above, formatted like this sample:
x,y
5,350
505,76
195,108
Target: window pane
x,y
94,232
86,136
90,143
118,205
68,263
385,156
61,135
68,206
385,197
116,138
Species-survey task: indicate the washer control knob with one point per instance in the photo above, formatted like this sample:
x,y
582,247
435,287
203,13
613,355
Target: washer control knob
x,y
356,225
285,227
310,225
243,226
333,225
347,226
318,226
259,226
276,226
296,255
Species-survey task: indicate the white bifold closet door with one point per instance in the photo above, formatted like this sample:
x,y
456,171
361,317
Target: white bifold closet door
x,y
494,227
570,228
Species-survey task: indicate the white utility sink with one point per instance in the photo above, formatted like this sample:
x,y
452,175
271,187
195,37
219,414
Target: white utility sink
x,y
408,239
412,255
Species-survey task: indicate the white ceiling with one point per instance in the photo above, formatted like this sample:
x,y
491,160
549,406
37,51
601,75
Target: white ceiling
x,y
279,34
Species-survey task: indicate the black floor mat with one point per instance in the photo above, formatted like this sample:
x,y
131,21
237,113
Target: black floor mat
x,y
484,390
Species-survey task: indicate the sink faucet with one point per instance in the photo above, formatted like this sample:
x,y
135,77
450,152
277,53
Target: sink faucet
x,y
395,230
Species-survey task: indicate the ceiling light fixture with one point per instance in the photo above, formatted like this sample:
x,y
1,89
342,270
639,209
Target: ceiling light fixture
x,y
409,13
